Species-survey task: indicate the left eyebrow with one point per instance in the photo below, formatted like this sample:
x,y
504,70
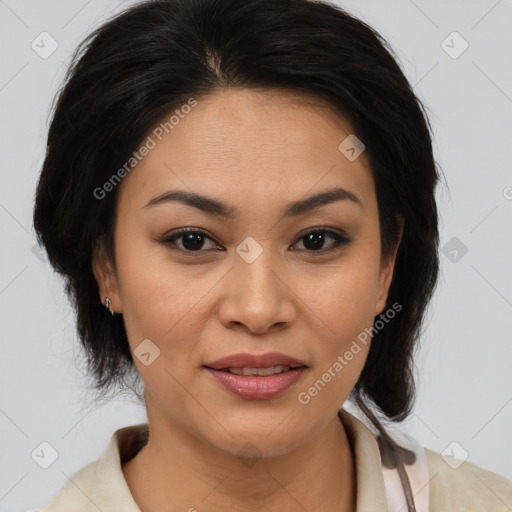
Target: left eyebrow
x,y
220,209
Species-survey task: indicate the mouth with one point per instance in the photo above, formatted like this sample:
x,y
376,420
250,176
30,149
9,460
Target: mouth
x,y
256,376
271,362
258,372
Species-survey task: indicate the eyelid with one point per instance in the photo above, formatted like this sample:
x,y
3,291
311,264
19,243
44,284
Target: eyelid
x,y
324,229
169,239
341,239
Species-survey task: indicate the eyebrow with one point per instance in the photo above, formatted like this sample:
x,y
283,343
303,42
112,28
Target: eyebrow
x,y
217,208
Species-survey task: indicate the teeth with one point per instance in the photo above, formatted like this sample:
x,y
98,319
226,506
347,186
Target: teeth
x,y
262,372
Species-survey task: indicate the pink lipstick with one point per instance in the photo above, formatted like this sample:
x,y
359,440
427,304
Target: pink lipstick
x,y
256,377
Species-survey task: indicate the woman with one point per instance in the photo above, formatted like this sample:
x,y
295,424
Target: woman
x,y
241,197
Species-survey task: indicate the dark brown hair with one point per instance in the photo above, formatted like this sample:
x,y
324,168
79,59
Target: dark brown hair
x,y
150,59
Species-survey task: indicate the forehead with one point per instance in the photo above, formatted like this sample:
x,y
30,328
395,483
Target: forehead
x,y
243,144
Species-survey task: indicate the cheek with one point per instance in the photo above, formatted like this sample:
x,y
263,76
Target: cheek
x,y
343,310
344,300
151,288
149,291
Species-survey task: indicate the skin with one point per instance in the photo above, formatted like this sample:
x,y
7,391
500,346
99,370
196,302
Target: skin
x,y
256,151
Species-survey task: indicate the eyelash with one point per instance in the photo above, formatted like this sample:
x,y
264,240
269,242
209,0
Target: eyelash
x,y
340,240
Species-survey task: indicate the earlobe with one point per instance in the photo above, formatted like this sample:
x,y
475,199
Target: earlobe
x,y
384,283
379,306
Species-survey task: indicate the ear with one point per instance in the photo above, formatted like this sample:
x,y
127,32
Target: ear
x,y
105,275
386,272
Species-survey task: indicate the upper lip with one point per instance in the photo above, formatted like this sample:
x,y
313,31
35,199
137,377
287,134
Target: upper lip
x,y
255,361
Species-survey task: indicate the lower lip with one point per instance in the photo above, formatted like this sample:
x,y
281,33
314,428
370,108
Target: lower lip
x,y
253,388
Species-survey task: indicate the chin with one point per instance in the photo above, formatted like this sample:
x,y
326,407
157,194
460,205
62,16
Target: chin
x,y
263,437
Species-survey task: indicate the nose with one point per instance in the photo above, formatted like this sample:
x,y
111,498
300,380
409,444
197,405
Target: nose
x,y
256,296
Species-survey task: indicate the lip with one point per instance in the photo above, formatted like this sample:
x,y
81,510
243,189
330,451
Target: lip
x,y
256,387
255,361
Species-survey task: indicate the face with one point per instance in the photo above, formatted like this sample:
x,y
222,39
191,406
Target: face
x,y
254,276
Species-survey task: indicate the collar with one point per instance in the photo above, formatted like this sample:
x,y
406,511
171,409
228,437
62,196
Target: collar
x,y
101,484
371,492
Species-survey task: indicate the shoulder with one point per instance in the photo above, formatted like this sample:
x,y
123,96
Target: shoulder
x,y
457,485
102,482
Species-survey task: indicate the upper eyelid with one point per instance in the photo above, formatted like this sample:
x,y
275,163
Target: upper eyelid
x,y
178,234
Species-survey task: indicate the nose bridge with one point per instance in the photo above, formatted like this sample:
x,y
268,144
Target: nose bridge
x,y
256,296
255,269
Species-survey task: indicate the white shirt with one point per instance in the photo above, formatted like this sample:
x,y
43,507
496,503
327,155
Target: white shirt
x,y
101,486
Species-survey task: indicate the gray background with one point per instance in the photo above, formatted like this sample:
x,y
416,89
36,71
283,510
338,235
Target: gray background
x,y
464,376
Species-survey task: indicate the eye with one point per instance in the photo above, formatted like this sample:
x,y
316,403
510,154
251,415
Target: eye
x,y
314,240
193,240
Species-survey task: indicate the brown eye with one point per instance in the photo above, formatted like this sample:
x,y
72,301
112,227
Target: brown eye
x,y
194,240
191,240
315,240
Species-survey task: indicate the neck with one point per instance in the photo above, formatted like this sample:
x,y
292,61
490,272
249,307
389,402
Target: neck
x,y
175,467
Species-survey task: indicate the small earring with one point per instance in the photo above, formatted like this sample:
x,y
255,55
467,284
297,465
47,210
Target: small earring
x,y
108,302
